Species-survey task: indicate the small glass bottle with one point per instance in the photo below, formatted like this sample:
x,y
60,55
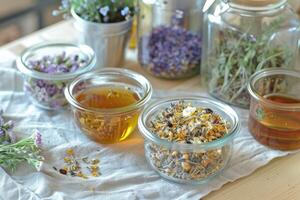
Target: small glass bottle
x,y
245,36
170,37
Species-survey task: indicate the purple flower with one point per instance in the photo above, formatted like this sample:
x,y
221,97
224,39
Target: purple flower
x,y
37,139
171,49
104,10
51,90
51,69
62,69
40,83
125,11
2,132
74,67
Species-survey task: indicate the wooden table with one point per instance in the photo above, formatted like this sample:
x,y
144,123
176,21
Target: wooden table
x,y
279,180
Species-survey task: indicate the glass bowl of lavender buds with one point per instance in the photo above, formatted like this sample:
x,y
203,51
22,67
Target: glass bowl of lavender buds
x,y
188,139
47,68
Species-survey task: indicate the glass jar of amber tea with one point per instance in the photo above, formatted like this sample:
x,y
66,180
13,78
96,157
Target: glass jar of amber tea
x,y
106,104
242,37
274,118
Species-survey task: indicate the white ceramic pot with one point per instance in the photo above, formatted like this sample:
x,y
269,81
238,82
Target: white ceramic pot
x,y
108,40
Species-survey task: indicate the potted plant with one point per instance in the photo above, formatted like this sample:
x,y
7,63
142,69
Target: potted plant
x,y
104,25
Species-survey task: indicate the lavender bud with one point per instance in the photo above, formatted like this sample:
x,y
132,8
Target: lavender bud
x,y
37,139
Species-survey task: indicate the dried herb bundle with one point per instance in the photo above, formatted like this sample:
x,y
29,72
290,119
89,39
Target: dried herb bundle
x,y
238,56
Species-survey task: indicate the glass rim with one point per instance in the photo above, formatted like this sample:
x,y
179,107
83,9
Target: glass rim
x,y
256,8
105,72
84,49
184,146
270,72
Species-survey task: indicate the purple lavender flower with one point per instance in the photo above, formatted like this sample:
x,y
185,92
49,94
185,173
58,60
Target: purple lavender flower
x,y
51,89
104,10
40,83
74,68
37,139
50,69
171,50
125,11
56,64
2,132
62,69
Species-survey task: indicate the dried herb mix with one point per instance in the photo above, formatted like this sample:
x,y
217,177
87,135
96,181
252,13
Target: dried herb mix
x,y
237,56
79,167
183,123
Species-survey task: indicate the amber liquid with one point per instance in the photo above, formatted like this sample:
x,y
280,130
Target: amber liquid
x,y
104,127
278,129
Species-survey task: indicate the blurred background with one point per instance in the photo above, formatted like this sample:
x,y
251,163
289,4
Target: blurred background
x,y
21,17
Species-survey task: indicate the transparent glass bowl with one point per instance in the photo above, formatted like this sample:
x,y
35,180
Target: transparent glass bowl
x,y
47,90
108,125
274,118
170,159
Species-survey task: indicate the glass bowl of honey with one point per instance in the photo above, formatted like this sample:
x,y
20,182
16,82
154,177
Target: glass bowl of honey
x,y
274,118
107,103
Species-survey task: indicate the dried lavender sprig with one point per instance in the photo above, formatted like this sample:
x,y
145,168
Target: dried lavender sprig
x,y
238,56
27,149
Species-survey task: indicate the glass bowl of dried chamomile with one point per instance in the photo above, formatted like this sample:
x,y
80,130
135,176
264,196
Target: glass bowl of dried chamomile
x,y
188,139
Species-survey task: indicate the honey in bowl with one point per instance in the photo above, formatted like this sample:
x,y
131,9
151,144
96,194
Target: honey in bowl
x,y
276,128
103,126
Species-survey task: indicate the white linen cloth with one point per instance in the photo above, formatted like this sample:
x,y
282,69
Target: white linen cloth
x,y
125,172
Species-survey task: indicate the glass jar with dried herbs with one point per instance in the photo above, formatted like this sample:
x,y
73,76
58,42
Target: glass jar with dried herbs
x,y
170,37
242,37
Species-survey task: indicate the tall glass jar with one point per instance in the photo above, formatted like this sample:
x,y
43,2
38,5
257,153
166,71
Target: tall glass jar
x,y
242,37
170,37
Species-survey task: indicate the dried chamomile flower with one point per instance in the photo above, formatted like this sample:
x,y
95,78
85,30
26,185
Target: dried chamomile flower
x,y
183,122
74,166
